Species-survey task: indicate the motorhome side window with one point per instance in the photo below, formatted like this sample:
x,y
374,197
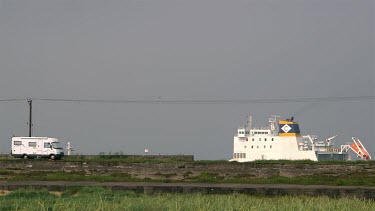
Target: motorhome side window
x,y
17,142
47,145
32,144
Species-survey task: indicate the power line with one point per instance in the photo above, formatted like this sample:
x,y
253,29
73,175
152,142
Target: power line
x,y
200,101
220,101
10,100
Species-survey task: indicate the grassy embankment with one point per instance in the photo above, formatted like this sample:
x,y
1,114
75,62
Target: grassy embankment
x,y
350,179
353,178
95,198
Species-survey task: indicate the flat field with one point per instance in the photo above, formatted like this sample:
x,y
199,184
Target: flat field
x,y
96,198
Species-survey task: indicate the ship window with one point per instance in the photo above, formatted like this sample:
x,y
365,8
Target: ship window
x,y
265,139
253,139
266,132
32,144
270,146
244,155
264,146
272,139
257,147
252,147
260,139
17,142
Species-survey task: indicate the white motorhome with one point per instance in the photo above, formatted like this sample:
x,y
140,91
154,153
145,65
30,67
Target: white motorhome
x,y
36,147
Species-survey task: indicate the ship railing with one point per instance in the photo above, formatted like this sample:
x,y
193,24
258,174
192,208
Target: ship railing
x,y
260,128
328,149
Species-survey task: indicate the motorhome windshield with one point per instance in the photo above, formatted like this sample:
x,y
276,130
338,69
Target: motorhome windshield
x,y
56,145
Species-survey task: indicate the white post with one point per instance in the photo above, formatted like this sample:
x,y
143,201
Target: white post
x,y
69,148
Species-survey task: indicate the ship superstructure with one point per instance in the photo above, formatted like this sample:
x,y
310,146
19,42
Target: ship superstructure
x,y
282,140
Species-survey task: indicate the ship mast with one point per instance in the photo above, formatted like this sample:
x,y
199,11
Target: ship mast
x,y
249,122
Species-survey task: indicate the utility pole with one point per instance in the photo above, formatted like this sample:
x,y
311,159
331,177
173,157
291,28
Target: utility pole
x,y
30,115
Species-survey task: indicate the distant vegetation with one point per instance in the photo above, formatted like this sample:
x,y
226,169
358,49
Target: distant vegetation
x,y
120,157
96,198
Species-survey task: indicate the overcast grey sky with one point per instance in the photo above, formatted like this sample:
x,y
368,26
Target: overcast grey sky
x,y
184,50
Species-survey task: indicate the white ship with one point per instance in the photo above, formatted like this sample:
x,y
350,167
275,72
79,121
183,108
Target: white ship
x,y
282,140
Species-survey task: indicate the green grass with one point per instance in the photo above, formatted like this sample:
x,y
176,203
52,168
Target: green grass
x,y
353,179
327,162
96,198
73,176
122,158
